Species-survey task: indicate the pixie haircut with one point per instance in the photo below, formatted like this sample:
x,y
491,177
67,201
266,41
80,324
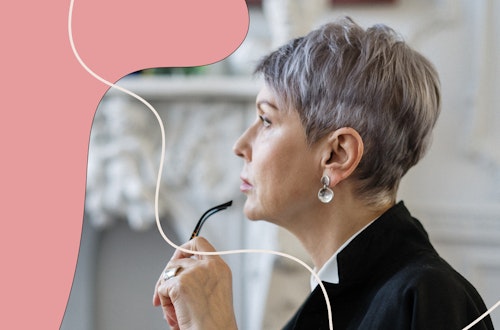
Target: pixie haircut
x,y
342,75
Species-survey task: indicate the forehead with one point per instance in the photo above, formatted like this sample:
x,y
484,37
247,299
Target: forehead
x,y
266,94
269,95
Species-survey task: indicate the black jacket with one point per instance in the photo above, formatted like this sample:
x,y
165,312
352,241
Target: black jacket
x,y
390,277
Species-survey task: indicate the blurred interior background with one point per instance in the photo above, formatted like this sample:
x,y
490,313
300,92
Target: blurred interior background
x,y
454,191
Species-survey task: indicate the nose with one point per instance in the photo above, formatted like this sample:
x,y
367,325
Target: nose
x,y
242,146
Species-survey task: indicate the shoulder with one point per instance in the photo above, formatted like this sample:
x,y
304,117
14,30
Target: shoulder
x,y
429,294
427,277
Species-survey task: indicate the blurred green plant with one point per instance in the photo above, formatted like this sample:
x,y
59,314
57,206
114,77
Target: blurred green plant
x,y
193,70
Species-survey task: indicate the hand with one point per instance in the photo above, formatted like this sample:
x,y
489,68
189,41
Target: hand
x,y
200,295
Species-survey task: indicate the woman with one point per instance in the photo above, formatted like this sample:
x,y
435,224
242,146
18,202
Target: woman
x,y
343,115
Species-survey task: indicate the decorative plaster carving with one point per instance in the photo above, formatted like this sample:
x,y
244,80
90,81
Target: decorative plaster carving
x,y
202,120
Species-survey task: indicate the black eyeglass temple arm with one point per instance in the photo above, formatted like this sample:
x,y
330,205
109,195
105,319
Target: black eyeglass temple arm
x,y
207,214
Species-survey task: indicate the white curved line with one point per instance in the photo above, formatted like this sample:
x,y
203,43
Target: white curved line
x,y
158,181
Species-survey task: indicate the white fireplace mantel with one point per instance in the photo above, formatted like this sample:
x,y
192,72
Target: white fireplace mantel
x,y
238,88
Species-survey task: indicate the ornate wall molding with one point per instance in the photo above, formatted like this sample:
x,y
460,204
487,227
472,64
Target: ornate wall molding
x,y
202,117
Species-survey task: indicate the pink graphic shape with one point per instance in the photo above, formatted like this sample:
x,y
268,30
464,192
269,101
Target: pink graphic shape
x,y
47,110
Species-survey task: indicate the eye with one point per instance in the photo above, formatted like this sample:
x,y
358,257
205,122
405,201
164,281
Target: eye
x,y
265,121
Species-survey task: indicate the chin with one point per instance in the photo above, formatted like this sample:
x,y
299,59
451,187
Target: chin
x,y
251,211
250,215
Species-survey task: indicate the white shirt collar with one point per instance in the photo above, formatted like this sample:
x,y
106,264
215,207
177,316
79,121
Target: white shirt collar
x,y
330,272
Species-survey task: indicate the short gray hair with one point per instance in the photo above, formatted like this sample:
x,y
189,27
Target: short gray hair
x,y
342,75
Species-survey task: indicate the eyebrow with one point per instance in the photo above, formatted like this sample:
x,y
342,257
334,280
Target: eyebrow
x,y
260,103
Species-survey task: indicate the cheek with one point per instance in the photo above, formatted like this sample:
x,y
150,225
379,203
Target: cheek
x,y
282,166
268,174
280,177
270,160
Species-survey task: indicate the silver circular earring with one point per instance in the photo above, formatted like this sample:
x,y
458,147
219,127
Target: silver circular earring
x,y
325,194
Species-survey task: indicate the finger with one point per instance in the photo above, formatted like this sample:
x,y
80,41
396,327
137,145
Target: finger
x,y
167,305
161,279
179,265
156,298
196,244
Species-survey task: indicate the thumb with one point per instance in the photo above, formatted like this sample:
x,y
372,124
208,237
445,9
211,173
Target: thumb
x,y
197,244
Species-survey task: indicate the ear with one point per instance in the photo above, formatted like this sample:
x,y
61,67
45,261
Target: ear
x,y
342,153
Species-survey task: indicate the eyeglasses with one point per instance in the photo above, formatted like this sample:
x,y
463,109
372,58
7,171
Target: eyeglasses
x,y
206,215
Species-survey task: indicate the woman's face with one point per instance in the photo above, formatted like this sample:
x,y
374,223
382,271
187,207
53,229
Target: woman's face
x,y
281,173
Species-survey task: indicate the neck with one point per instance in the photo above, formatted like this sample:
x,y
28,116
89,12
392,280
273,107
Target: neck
x,y
323,231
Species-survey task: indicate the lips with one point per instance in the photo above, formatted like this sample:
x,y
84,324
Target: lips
x,y
245,185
